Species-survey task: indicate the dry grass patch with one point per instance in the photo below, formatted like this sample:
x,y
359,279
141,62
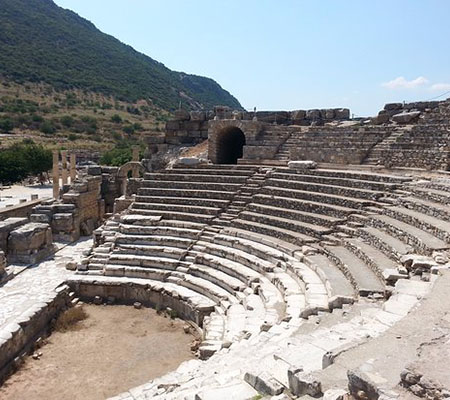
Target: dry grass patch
x,y
68,320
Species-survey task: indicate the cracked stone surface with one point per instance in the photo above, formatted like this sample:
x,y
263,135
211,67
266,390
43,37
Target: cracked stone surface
x,y
36,284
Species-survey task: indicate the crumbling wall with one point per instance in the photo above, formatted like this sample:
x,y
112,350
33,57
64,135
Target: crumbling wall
x,y
404,113
78,214
192,127
25,242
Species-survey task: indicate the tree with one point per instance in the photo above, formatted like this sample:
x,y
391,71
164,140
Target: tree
x,y
22,160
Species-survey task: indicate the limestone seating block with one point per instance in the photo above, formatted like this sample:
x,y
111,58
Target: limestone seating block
x,y
188,161
300,165
406,117
183,208
327,188
295,215
191,193
280,234
335,181
137,219
276,189
223,178
6,227
151,231
174,215
30,237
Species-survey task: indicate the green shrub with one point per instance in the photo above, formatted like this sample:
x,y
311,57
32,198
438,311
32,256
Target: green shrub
x,y
67,121
116,118
48,127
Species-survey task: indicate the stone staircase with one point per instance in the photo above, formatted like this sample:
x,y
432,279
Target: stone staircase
x,y
377,152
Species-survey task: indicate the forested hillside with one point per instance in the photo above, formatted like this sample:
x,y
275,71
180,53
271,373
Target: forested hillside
x,y
41,42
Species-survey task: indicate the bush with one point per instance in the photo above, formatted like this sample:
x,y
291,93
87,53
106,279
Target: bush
x,y
47,127
67,121
116,118
128,129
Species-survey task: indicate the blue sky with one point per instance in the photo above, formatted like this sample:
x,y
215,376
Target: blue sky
x,y
292,54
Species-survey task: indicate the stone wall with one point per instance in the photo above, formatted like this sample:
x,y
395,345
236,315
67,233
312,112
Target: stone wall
x,y
335,144
192,127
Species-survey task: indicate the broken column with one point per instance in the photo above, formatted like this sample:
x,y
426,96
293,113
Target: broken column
x,y
73,167
64,174
56,174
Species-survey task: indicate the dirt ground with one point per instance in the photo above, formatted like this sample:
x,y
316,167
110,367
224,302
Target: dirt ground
x,y
113,350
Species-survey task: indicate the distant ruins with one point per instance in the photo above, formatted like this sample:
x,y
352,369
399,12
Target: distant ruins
x,y
311,252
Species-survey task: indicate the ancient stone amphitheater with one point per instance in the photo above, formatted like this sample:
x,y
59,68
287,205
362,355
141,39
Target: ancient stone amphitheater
x,y
306,280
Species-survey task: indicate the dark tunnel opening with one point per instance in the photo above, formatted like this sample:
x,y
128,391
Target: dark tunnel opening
x,y
230,144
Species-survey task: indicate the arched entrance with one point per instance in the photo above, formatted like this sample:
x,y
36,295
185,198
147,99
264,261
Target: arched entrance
x,y
230,144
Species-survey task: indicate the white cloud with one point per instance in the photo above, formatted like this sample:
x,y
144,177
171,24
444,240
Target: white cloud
x,y
441,87
402,83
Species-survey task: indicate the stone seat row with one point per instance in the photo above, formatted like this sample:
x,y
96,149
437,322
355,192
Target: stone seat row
x,y
222,283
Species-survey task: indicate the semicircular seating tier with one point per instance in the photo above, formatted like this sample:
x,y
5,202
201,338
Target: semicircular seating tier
x,y
250,252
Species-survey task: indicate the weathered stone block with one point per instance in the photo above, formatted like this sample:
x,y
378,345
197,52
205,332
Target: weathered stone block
x,y
6,227
94,170
406,117
264,383
393,106
301,383
181,115
30,243
329,114
198,116
189,161
173,125
313,114
63,222
342,113
298,115
302,164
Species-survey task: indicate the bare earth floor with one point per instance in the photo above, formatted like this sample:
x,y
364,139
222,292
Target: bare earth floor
x,y
114,349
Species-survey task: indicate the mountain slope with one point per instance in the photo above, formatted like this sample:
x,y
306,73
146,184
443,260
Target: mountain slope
x,y
40,41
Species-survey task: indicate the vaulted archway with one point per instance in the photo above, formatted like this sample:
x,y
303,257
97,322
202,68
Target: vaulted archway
x,y
230,145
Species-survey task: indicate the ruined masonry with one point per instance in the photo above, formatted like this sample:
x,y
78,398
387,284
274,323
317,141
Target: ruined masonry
x,y
311,251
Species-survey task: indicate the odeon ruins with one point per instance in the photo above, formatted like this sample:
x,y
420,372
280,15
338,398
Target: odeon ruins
x,y
310,251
